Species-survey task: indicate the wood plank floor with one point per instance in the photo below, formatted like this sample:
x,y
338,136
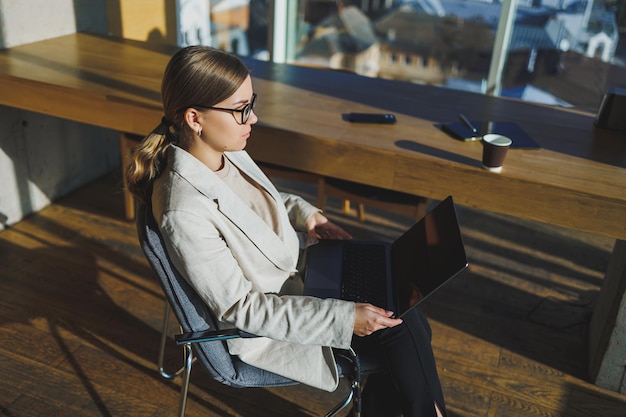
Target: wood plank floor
x,y
80,313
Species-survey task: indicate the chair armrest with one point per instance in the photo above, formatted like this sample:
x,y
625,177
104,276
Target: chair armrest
x,y
210,336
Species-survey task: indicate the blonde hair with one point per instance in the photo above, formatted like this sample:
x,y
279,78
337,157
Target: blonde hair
x,y
194,75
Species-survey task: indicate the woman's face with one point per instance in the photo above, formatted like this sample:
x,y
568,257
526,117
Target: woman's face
x,y
222,131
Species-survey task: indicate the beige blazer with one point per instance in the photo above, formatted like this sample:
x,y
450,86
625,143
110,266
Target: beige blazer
x,y
246,273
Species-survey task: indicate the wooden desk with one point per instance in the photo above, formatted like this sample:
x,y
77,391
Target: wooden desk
x,y
577,180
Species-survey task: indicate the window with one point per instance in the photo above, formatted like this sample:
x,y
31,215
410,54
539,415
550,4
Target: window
x,y
560,52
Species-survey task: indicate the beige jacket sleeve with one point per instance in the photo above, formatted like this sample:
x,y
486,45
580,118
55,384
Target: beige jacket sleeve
x,y
245,292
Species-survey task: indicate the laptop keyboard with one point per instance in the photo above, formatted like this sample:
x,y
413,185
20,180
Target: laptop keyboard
x,y
363,274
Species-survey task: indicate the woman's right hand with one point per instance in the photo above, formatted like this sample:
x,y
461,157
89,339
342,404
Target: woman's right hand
x,y
369,318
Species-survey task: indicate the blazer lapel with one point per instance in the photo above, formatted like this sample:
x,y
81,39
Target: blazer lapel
x,y
231,206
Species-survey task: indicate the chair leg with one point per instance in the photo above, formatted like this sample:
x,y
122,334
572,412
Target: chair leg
x,y
342,404
354,395
162,371
356,384
185,370
184,386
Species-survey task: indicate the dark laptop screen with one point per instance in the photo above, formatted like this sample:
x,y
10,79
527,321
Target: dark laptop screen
x,y
427,255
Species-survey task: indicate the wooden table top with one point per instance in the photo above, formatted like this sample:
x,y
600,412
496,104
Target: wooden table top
x,y
577,179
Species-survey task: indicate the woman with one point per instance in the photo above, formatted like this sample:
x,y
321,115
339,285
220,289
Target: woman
x,y
237,240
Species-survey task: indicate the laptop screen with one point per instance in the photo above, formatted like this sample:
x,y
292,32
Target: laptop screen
x,y
427,255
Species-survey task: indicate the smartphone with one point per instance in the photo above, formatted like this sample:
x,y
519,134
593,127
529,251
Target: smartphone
x,y
384,118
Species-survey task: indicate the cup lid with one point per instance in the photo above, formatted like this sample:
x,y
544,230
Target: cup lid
x,y
498,140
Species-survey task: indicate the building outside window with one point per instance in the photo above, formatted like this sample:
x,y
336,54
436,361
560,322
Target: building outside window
x,y
558,52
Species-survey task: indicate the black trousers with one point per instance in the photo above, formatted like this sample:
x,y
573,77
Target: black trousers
x,y
409,385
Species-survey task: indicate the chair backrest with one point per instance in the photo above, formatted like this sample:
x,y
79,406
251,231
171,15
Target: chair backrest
x,y
194,315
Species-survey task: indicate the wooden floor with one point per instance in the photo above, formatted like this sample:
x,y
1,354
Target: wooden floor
x,y
80,313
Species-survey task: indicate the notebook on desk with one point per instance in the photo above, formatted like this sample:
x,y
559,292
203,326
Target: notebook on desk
x,y
395,276
520,139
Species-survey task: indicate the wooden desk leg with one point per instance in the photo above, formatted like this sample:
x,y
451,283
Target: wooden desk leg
x,y
607,330
346,207
127,144
321,194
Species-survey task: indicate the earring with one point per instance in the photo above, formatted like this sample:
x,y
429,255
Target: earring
x,y
200,132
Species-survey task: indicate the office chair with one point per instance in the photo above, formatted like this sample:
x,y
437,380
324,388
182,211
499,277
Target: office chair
x,y
204,342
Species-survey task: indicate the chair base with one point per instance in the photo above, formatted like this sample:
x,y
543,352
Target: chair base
x,y
353,396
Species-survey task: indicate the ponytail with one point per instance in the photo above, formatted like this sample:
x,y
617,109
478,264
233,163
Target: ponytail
x,y
148,160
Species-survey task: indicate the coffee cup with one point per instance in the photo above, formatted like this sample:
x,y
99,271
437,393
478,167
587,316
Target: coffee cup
x,y
495,148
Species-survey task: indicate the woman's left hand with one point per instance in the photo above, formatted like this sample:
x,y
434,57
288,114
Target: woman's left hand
x,y
319,227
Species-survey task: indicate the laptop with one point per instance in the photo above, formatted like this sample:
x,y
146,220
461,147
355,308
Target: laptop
x,y
396,276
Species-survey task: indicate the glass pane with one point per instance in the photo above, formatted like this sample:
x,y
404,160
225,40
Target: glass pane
x,y
562,52
432,42
241,26
566,52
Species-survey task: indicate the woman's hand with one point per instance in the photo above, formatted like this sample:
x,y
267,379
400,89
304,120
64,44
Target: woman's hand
x,y
369,318
319,227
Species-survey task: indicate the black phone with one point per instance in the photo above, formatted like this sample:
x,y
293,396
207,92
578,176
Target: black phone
x,y
384,118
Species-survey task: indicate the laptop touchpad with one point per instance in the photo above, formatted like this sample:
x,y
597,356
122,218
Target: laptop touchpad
x,y
323,269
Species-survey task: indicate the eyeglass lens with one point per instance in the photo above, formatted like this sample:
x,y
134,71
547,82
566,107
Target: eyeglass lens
x,y
247,110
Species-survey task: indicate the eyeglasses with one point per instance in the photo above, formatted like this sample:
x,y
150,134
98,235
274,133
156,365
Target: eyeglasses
x,y
245,111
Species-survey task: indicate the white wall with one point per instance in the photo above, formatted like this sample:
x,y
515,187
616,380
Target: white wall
x,y
43,158
26,21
